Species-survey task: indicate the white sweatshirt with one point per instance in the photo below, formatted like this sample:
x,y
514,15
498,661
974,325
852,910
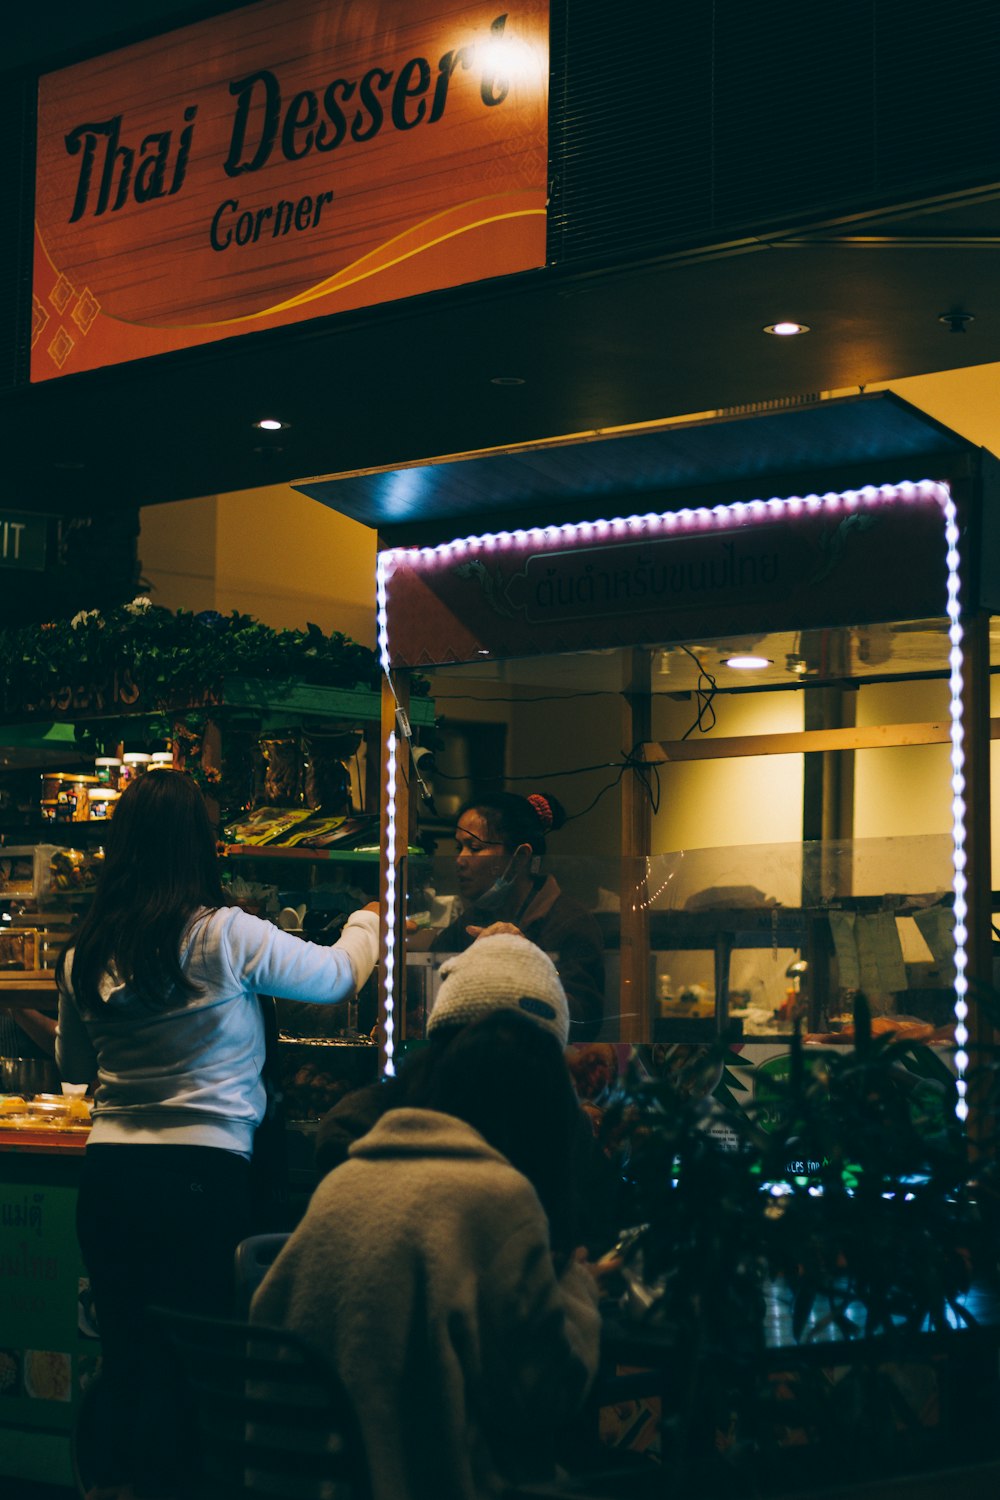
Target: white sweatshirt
x,y
190,1074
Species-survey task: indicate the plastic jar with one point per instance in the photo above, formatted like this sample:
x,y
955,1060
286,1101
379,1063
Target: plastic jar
x,y
97,802
108,768
72,805
134,763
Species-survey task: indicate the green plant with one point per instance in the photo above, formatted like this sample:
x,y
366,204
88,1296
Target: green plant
x,y
139,650
852,1208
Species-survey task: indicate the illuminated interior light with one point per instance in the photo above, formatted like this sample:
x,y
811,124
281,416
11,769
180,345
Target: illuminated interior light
x,y
747,663
786,329
741,513
271,424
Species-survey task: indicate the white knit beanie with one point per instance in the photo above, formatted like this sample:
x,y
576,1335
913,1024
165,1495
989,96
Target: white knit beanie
x,y
504,972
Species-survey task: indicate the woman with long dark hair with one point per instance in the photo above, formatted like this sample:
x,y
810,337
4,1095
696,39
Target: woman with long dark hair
x,y
158,1002
424,1268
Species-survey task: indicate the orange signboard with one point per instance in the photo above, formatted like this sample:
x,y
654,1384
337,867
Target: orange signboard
x,y
282,162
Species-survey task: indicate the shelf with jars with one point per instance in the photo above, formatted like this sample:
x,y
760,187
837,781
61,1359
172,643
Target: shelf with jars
x,y
290,771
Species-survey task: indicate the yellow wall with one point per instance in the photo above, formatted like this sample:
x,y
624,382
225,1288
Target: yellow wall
x,y
272,553
275,554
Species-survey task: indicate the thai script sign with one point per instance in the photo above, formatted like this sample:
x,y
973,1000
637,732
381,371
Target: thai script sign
x,y
282,162
642,580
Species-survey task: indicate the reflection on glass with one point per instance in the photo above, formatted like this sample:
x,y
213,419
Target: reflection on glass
x,y
760,935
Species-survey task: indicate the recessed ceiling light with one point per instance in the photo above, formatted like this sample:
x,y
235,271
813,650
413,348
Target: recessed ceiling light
x,y
507,380
786,329
747,663
271,424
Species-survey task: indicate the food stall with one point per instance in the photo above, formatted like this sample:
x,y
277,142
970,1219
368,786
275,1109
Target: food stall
x,y
846,552
292,768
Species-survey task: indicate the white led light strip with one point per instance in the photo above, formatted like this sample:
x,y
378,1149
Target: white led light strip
x,y
959,883
662,523
383,567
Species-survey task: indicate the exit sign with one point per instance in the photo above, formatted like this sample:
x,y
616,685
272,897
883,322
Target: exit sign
x,y
22,541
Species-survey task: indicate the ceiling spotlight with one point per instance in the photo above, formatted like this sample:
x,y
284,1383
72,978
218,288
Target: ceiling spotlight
x,y
271,424
747,663
956,322
786,329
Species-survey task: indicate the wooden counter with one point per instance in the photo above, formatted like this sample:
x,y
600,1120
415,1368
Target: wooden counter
x,y
44,1142
29,987
43,1303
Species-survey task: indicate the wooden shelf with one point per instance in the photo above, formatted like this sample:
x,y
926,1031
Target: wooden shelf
x,y
367,855
25,987
276,851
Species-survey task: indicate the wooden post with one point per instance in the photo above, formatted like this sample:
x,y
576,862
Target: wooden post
x,y
636,812
978,870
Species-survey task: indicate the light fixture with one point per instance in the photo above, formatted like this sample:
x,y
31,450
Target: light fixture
x,y
383,569
705,520
787,328
747,663
507,380
956,322
271,424
796,664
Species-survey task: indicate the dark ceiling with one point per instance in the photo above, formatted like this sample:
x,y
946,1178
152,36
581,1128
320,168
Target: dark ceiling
x,y
412,381
590,350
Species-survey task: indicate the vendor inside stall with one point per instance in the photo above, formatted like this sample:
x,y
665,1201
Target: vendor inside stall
x,y
499,846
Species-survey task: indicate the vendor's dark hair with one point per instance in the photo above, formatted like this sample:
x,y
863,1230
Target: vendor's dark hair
x,y
160,866
506,1076
519,820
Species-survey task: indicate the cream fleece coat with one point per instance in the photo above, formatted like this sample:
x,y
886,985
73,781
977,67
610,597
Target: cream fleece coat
x,y
422,1272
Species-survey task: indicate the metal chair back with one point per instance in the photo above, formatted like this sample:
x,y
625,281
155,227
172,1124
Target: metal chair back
x,y
272,1420
254,1258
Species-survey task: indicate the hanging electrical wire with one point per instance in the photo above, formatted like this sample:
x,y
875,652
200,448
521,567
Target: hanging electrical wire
x,y
705,719
631,762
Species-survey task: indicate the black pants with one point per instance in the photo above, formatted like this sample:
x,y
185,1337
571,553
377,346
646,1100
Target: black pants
x,y
157,1225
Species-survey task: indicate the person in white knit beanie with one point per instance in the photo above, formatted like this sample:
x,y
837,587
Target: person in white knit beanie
x,y
502,972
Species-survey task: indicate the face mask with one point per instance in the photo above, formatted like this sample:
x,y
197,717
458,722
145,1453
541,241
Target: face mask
x,y
499,892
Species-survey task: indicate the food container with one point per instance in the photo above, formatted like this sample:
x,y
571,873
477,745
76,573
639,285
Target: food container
x,y
51,782
27,1076
161,760
75,790
101,802
134,763
48,1112
25,871
75,870
18,948
108,768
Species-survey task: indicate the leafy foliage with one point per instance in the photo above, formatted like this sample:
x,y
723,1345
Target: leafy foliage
x,y
859,1194
846,1205
169,658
